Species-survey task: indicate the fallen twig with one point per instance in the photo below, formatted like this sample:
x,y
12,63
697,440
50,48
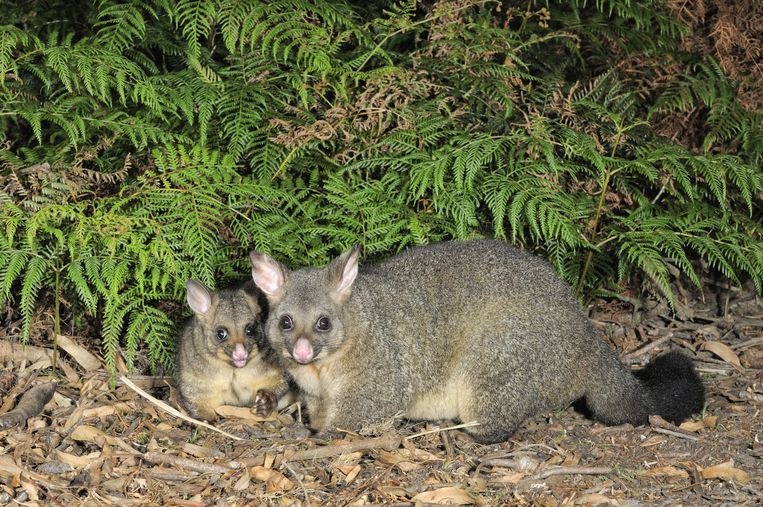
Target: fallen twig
x,y
570,470
170,410
187,463
388,442
631,357
439,430
166,475
660,425
678,434
301,484
149,381
752,342
31,404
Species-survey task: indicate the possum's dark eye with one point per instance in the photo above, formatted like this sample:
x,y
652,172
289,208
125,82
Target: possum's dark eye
x,y
251,330
323,324
285,323
222,334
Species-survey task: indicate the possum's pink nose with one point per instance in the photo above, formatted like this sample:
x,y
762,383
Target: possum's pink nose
x,y
302,351
239,356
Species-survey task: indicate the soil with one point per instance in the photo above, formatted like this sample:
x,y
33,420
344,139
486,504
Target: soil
x,y
98,442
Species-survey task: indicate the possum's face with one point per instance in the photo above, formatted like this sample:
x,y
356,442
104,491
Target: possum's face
x,y
306,325
232,323
306,306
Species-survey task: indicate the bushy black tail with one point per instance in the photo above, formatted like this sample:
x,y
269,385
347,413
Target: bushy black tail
x,y
674,386
668,387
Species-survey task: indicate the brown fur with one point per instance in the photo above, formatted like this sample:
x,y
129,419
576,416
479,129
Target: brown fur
x,y
206,374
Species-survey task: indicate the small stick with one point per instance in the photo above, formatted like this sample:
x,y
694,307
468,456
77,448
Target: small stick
x,y
514,464
646,348
571,470
716,371
389,442
149,381
126,381
438,430
166,475
301,484
747,344
190,464
672,433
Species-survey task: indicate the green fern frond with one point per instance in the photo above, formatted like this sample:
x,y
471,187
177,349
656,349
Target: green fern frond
x,y
11,266
194,18
121,25
34,276
151,326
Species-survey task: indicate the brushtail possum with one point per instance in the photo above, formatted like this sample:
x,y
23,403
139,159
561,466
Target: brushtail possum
x,y
473,330
222,355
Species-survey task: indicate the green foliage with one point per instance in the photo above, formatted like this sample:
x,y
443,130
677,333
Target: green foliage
x,y
147,142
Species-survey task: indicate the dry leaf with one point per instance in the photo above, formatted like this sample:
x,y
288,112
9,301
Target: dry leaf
x,y
545,500
75,461
707,422
350,459
103,411
692,426
396,492
394,458
243,482
594,499
229,411
87,433
346,469
8,467
668,471
511,478
61,400
653,440
92,434
352,474
446,496
275,480
726,472
85,359
197,451
723,351
261,473
752,358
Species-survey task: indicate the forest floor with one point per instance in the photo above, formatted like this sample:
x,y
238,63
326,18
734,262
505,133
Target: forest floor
x,y
99,443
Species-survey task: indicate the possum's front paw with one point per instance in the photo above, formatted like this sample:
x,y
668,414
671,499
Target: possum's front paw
x,y
265,402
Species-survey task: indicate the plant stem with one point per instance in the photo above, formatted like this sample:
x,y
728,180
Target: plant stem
x,y
414,24
594,227
56,318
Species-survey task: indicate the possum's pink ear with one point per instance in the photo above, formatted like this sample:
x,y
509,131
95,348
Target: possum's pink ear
x,y
342,273
199,297
269,275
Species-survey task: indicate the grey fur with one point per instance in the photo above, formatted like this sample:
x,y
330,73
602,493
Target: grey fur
x,y
477,331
